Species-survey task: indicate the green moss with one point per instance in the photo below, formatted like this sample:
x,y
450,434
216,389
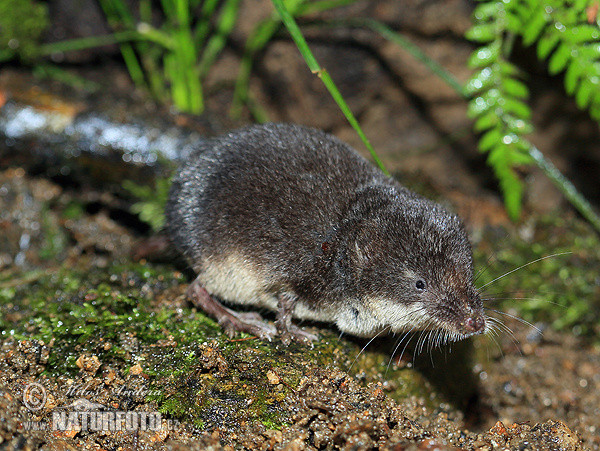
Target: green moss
x,y
197,374
128,313
87,312
562,290
22,23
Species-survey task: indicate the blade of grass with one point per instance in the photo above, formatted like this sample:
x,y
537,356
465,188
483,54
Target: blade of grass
x,y
312,63
180,70
150,56
117,14
324,5
386,32
201,32
133,65
119,11
64,76
225,23
89,42
566,187
258,39
261,35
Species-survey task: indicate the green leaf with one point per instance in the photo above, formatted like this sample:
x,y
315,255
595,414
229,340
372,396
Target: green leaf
x,y
516,107
492,96
583,33
511,185
546,44
482,33
484,102
486,121
507,69
580,5
515,88
497,158
534,28
512,188
484,56
572,77
477,106
516,155
486,11
589,51
490,139
595,111
517,125
559,59
584,94
523,159
480,81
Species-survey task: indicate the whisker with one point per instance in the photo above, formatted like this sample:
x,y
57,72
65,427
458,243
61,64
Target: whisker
x,y
429,347
520,290
433,339
488,264
508,331
492,327
521,267
408,335
501,326
521,320
493,338
523,299
406,346
497,323
419,346
388,328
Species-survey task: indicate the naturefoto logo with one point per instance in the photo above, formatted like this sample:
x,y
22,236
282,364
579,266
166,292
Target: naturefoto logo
x,y
85,415
34,396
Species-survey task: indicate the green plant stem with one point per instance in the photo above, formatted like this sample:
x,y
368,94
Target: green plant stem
x,y
64,76
257,40
117,13
323,5
313,65
202,30
86,43
386,32
226,22
566,187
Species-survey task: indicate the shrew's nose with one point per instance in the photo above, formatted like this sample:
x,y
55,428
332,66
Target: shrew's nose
x,y
474,324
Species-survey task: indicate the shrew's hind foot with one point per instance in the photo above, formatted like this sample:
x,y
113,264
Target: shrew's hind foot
x,y
249,322
288,331
297,334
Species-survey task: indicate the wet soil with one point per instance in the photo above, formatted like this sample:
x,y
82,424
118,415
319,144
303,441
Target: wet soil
x,y
103,334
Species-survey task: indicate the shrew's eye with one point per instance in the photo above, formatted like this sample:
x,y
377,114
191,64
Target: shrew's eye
x,y
420,284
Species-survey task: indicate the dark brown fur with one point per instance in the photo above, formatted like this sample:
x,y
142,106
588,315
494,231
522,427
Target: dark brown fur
x,y
303,217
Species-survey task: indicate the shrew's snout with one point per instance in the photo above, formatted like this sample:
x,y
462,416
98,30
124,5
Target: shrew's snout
x,y
474,324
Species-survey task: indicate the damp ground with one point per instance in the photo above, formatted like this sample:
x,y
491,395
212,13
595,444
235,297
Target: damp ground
x,y
102,334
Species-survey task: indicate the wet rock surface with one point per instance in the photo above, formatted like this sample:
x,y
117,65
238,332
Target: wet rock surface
x,y
217,393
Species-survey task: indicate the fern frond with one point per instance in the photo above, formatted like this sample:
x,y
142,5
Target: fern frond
x,y
498,98
573,46
563,36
